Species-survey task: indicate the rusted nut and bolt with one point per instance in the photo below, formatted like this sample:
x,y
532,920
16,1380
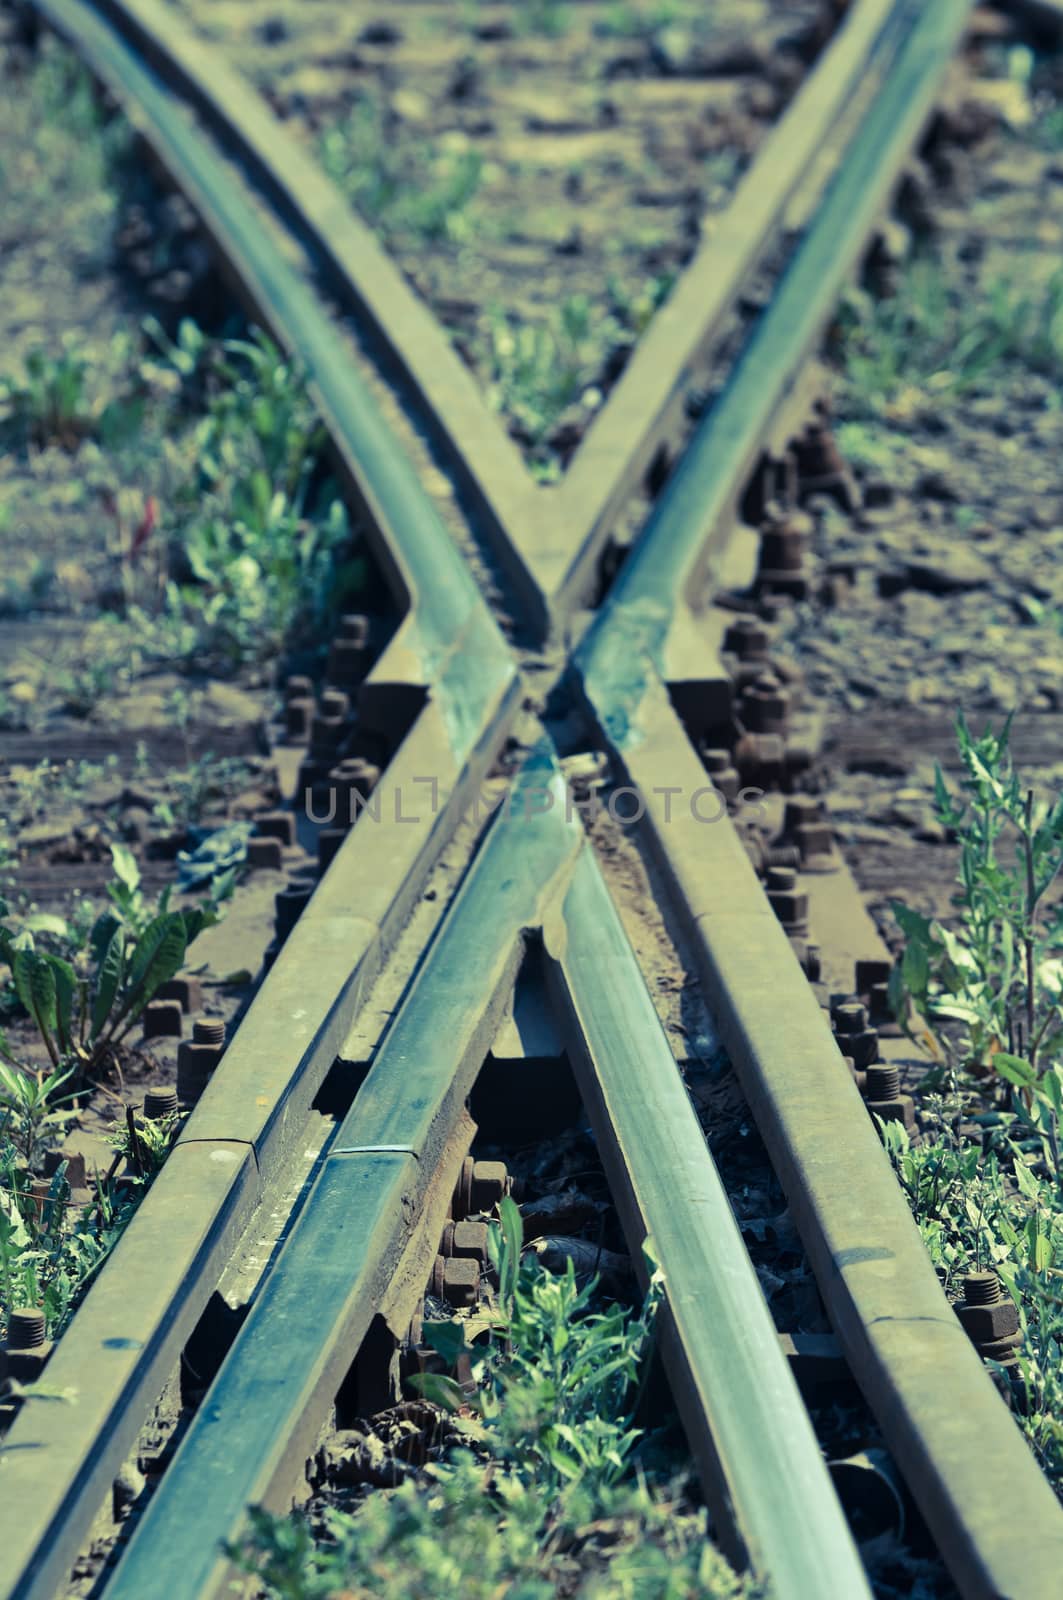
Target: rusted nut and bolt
x,y
765,705
334,703
265,855
326,733
466,1238
159,1103
761,759
882,1096
290,904
455,1279
747,638
298,688
329,841
480,1187
298,716
722,773
26,1349
350,778
990,1319
813,963
198,1057
279,825
856,1039
163,1019
805,824
187,992
789,903
349,652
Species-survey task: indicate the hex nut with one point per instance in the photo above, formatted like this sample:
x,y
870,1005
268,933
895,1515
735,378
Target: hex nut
x,y
469,1239
986,1324
461,1281
489,1183
276,825
162,1019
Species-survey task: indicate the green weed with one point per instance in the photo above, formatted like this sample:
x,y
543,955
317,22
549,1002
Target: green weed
x,y
536,372
985,997
930,339
543,1497
257,537
409,191
84,1003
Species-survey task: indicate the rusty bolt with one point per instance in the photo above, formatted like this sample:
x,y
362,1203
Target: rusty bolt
x,y
279,825
326,734
849,1020
328,844
782,548
198,1057
27,1349
761,758
882,1096
352,777
290,904
186,991
346,663
747,638
25,1328
470,1240
455,1279
765,705
789,903
813,963
805,824
987,1316
162,1019
335,704
298,715
871,970
265,855
724,776
489,1184
298,688
160,1103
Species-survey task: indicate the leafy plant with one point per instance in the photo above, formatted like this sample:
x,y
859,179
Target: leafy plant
x,y
29,1117
51,1250
134,948
259,547
979,1210
409,191
928,339
985,997
997,973
543,1497
536,372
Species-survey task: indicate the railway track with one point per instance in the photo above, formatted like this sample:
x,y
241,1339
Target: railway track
x,y
646,682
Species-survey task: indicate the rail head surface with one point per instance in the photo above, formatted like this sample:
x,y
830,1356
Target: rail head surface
x,y
248,1442
59,1460
997,1522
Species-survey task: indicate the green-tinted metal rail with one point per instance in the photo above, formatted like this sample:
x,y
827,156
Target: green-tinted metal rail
x,y
997,1523
257,1425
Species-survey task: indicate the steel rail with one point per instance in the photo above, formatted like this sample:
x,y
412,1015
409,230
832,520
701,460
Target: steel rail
x,y
759,930
59,1460
997,1523
535,874
547,540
